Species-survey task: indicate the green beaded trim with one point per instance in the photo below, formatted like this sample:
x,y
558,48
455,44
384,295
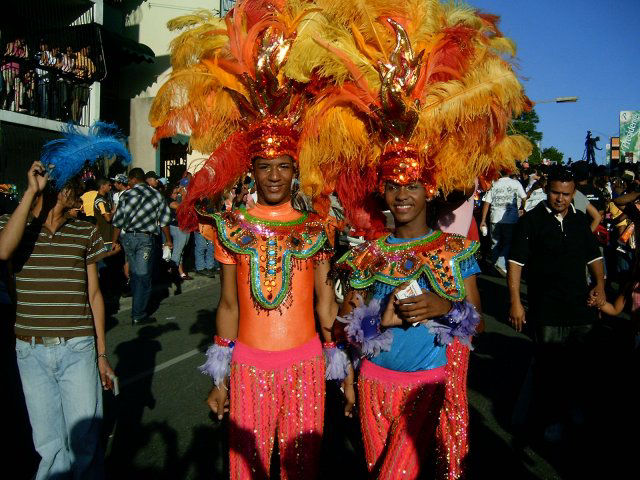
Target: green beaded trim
x,y
359,279
394,247
254,262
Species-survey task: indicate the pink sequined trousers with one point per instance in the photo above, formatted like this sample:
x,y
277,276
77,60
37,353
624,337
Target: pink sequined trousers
x,y
276,393
399,412
452,432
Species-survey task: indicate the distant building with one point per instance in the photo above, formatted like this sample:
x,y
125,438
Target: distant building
x,y
64,61
128,97
52,63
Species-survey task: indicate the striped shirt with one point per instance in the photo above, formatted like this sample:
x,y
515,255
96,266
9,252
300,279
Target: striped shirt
x,y
141,209
51,278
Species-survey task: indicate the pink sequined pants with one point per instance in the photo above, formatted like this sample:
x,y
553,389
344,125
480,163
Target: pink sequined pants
x,y
399,413
276,393
454,417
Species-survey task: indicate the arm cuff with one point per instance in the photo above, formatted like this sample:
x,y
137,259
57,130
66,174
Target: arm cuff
x,y
517,263
594,260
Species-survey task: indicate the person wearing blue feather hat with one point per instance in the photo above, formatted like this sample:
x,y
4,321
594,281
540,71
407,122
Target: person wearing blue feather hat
x,y
59,325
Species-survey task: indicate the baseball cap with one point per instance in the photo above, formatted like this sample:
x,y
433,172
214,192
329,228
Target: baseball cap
x,y
121,178
163,180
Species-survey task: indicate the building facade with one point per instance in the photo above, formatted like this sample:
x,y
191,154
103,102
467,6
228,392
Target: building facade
x,y
52,63
145,22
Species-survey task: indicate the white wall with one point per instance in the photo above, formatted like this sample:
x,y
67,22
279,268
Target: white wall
x,y
149,21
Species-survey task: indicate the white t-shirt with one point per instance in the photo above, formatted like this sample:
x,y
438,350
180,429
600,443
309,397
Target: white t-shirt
x,y
505,197
538,195
116,198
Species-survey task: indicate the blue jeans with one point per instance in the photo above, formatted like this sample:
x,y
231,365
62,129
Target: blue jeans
x,y
204,253
62,390
180,239
501,235
138,247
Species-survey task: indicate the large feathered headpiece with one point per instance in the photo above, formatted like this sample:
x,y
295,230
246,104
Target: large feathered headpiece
x,y
414,91
65,157
227,90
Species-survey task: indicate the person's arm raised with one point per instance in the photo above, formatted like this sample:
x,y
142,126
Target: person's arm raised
x,y
11,234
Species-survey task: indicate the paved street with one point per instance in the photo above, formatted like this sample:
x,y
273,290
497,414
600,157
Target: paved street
x,y
164,430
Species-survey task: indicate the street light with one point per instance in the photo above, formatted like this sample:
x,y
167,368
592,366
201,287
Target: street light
x,y
559,100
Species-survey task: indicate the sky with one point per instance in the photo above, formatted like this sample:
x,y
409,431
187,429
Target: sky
x,y
584,48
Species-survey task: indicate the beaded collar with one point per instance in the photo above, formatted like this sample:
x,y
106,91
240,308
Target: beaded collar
x,y
437,256
271,246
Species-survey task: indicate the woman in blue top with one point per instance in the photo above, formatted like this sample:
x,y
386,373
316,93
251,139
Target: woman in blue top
x,y
402,343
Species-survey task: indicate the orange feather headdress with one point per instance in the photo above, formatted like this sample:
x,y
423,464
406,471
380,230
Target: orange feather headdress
x,y
414,91
227,90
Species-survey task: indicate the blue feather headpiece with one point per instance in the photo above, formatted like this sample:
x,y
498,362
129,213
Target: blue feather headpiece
x,y
65,157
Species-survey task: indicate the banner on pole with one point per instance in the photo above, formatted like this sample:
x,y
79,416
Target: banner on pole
x,y
630,134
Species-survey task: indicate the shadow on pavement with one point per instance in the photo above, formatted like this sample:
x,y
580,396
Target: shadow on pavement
x,y
136,360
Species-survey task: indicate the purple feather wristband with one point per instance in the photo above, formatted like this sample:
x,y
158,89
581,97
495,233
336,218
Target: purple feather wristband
x,y
461,322
336,362
363,329
218,364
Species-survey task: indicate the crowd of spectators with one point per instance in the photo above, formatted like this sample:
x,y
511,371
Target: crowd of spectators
x,y
609,198
49,81
191,252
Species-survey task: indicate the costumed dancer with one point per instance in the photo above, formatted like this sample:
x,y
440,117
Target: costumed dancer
x,y
422,105
229,91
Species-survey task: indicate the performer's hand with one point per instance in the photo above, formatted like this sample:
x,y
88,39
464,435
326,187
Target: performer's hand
x,y
349,393
389,316
517,316
218,399
422,307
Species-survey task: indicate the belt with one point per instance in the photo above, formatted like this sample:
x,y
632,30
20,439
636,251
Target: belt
x,y
138,232
43,340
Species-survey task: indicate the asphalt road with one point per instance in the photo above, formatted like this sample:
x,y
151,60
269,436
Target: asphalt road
x,y
160,428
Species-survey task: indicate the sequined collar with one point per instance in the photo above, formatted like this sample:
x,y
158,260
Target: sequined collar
x,y
437,256
271,246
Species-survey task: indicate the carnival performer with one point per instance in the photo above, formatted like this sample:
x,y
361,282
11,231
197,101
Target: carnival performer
x,y
266,354
417,105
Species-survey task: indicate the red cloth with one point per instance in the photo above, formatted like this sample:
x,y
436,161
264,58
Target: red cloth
x,y
473,231
270,394
452,434
399,413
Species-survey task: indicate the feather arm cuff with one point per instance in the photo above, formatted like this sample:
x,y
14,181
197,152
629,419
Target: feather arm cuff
x,y
337,362
218,364
461,322
363,329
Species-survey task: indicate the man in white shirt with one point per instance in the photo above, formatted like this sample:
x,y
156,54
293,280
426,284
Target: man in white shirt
x,y
503,203
120,182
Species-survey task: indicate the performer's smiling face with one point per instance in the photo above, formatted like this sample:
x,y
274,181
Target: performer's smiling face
x,y
406,202
273,178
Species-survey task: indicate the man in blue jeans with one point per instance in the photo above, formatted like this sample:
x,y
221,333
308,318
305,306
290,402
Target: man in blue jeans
x,y
205,263
59,327
141,209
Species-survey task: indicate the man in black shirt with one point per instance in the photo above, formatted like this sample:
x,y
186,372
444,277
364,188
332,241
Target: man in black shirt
x,y
555,243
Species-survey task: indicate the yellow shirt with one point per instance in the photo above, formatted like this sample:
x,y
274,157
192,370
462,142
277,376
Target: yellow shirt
x,y
615,213
88,198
